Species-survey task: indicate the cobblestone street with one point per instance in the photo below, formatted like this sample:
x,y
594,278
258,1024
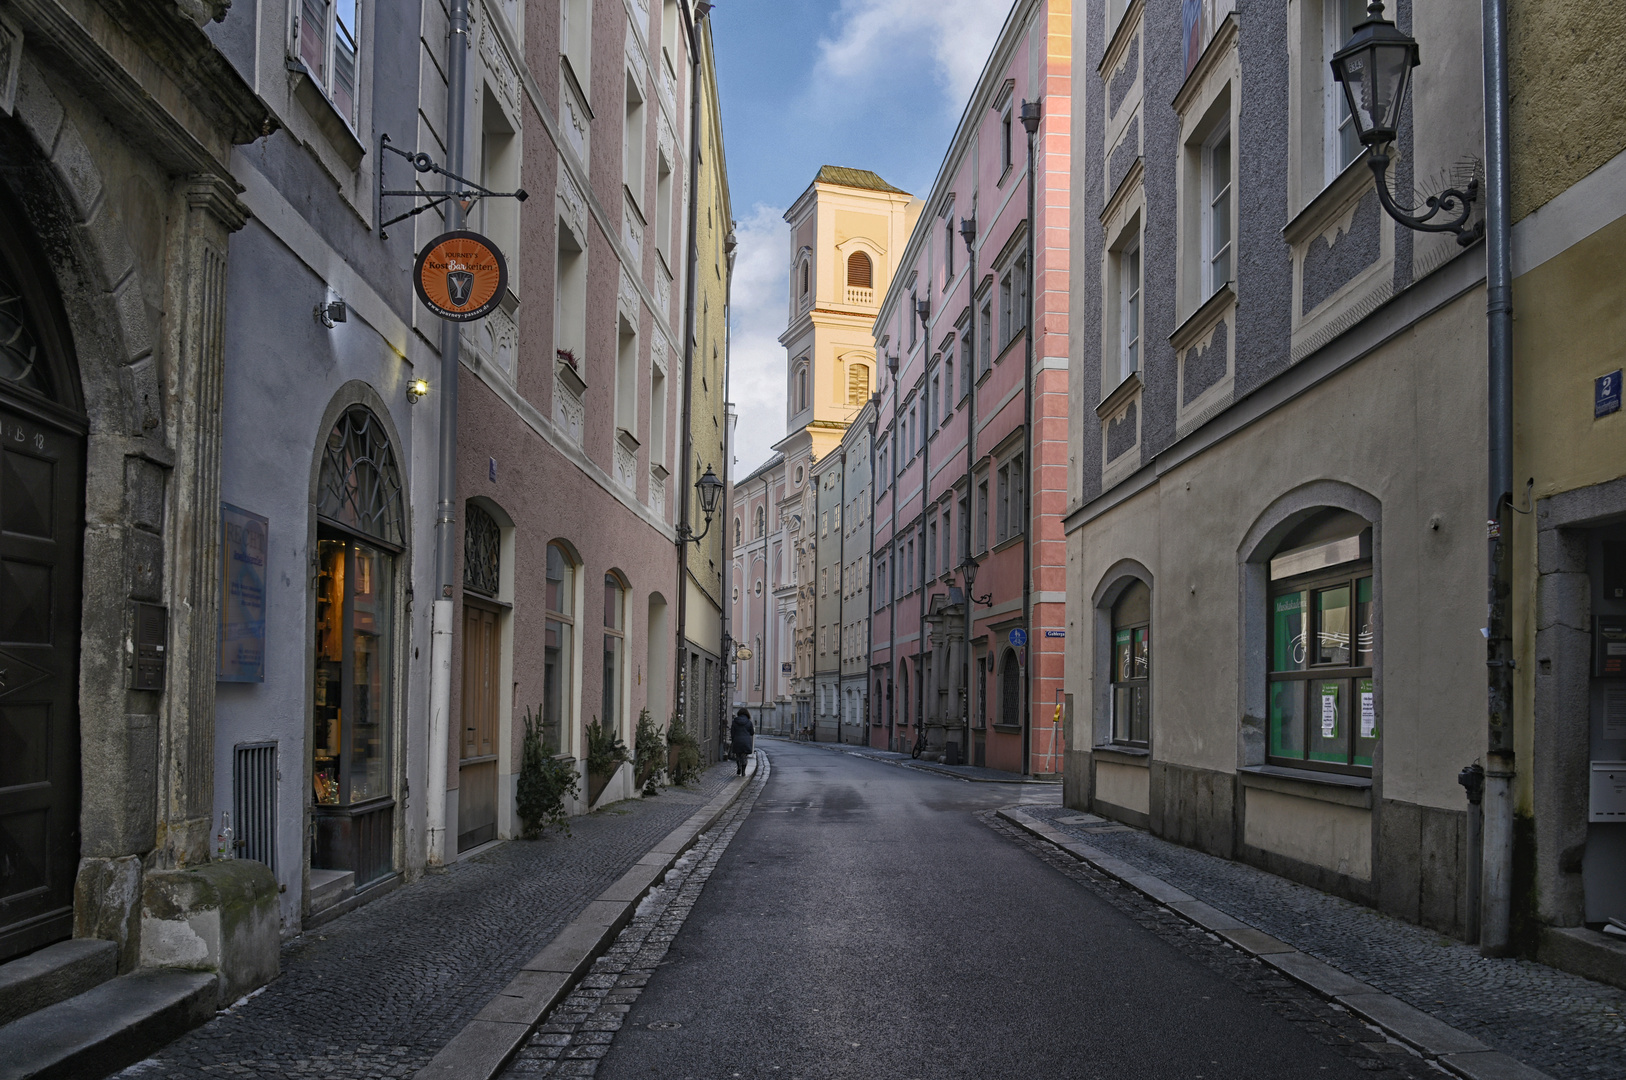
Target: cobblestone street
x,y
1562,1024
378,991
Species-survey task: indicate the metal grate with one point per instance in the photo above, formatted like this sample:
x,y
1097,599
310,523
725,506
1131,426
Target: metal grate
x,y
254,802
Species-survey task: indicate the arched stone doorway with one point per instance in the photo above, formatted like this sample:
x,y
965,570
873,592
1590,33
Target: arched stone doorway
x,y
42,475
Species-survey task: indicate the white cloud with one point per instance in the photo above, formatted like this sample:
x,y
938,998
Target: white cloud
x,y
873,34
757,360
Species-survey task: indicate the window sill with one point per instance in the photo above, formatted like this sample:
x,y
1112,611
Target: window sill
x,y
1330,201
1008,729
1121,394
328,119
1137,756
1207,314
1118,41
1329,787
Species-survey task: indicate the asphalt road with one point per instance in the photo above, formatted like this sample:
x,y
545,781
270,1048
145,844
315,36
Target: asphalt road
x,y
864,922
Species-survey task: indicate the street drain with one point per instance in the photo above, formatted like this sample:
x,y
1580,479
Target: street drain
x,y
664,1025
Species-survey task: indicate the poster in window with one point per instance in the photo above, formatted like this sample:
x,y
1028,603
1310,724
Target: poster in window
x,y
241,654
1369,712
1329,710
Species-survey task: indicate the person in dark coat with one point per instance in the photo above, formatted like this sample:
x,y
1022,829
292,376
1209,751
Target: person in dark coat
x,y
742,732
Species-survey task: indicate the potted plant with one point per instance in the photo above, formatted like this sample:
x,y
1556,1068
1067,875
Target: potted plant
x,y
605,754
545,782
649,754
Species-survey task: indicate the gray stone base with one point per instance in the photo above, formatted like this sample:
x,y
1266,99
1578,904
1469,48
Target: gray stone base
x,y
220,917
1585,952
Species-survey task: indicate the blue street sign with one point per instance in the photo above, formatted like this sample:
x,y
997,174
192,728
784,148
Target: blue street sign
x,y
1606,394
1019,637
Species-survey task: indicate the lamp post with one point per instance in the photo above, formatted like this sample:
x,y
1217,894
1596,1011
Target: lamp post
x,y
1374,67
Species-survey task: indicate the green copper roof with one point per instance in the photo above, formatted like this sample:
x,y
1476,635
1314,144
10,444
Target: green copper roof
x,y
854,178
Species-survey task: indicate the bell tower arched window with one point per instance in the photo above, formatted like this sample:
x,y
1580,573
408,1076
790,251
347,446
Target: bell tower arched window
x,y
860,271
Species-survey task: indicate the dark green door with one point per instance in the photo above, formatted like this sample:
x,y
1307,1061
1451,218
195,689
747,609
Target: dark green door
x,y
42,477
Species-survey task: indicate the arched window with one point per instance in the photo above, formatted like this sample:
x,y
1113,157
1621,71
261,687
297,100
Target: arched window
x,y
739,531
1323,633
761,525
482,551
360,529
801,388
1131,665
860,272
857,383
804,277
615,632
558,649
360,487
1010,690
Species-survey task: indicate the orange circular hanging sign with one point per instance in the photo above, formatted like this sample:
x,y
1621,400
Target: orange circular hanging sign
x,y
460,276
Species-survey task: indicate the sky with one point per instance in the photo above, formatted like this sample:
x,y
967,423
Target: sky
x,y
871,84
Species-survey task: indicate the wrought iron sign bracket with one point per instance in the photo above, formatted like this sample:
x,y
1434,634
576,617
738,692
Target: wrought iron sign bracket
x,y
468,193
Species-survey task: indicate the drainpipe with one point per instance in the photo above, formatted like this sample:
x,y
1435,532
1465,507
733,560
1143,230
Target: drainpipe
x,y
1030,122
923,308
869,590
730,419
841,597
440,640
680,685
767,590
892,585
968,230
1496,885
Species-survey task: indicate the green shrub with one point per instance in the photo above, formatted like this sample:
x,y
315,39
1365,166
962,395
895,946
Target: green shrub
x,y
545,782
685,752
605,750
649,754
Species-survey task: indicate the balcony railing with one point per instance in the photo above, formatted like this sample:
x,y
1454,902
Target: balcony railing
x,y
861,296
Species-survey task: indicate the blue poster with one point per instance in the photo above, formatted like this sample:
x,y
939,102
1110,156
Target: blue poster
x,y
243,553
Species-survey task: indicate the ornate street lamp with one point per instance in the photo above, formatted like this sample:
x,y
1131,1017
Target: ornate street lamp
x,y
1374,67
711,490
968,568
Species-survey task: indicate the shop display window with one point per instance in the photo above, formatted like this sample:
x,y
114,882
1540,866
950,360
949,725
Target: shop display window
x,y
1323,705
1131,666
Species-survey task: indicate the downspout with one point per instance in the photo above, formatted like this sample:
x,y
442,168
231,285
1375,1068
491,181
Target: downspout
x,y
968,230
767,589
680,685
841,596
1030,122
869,589
440,639
923,308
892,600
1496,886
730,664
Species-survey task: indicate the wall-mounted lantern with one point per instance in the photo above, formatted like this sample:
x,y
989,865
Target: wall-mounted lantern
x,y
1374,67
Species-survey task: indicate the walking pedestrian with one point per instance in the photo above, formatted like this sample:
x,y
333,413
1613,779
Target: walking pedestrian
x,y
743,732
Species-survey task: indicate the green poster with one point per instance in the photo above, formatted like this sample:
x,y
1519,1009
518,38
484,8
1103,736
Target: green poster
x,y
1329,710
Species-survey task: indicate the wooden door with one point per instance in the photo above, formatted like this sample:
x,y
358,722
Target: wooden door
x,y
41,493
477,765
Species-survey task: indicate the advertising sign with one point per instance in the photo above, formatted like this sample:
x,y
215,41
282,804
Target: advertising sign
x,y
241,656
460,276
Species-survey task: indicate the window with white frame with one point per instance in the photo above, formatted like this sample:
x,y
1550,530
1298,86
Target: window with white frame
x,y
663,208
982,514
626,379
965,357
948,252
632,141
986,318
1005,142
1216,223
325,35
670,29
576,39
1126,286
1340,144
570,302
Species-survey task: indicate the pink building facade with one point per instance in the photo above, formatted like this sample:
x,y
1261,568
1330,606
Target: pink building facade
x,y
960,468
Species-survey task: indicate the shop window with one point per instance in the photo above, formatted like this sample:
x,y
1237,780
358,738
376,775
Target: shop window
x,y
558,648
1131,665
615,633
359,533
1323,627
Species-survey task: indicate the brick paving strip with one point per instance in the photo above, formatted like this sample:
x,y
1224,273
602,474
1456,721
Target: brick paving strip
x,y
1439,997
579,1030
378,992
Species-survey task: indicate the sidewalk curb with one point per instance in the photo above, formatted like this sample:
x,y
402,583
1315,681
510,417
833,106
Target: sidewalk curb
x,y
1454,1050
924,766
486,1044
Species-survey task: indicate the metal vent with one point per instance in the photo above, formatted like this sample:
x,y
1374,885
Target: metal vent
x,y
254,802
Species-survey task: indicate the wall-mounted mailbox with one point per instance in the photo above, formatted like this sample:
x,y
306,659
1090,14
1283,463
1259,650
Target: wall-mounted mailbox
x,y
1608,791
151,647
1609,646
